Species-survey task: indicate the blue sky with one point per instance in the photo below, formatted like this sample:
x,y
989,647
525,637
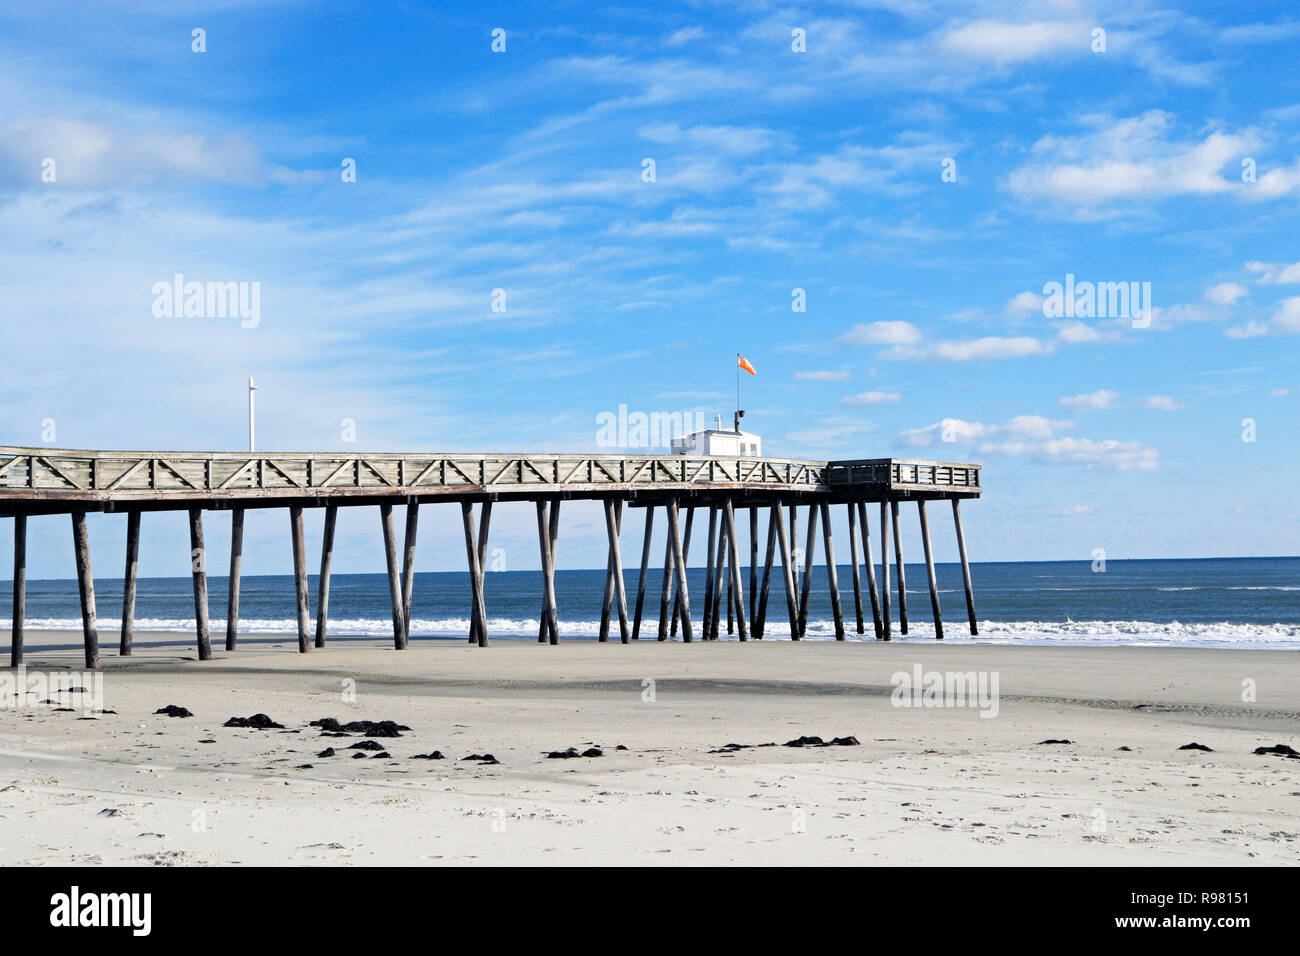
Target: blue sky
x,y
775,170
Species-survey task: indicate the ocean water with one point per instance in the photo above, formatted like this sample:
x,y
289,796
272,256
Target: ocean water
x,y
1213,602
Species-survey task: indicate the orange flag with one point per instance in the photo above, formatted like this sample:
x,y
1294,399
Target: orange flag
x,y
744,363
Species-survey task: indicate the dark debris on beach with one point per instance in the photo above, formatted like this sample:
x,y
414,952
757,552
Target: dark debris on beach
x,y
370,728
256,722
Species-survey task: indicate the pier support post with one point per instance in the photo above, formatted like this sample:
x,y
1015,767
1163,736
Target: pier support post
x,y
666,589
300,578
832,573
199,572
546,631
484,526
686,553
719,561
607,604
20,590
787,571
710,557
408,566
129,583
753,564
965,567
794,543
479,611
394,579
807,570
929,570
886,623
870,562
856,556
679,564
550,625
612,529
232,590
553,623
323,585
731,602
733,559
86,589
760,613
902,572
645,566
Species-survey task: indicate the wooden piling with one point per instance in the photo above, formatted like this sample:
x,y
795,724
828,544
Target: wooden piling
x,y
300,579
645,567
929,570
870,562
719,561
666,589
408,566
787,571
965,567
484,526
545,632
607,604
710,556
394,578
760,614
886,624
323,584
855,555
612,529
553,619
479,611
129,577
734,561
86,590
20,590
731,603
550,624
686,553
753,564
832,573
232,589
807,570
544,549
679,564
794,543
199,573
902,570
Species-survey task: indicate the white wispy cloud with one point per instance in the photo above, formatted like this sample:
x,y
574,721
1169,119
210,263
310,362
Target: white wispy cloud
x,y
1272,273
969,350
1099,400
1036,438
1139,158
822,376
881,333
872,398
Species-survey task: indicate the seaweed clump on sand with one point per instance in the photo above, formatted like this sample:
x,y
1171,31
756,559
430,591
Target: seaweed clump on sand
x,y
256,722
370,728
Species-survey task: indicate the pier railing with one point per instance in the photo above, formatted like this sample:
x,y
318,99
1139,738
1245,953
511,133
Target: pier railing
x,y
50,476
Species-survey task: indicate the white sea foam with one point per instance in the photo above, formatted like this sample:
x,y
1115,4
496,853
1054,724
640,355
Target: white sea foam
x,y
1116,633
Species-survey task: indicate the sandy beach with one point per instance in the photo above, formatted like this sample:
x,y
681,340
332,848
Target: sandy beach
x,y
924,785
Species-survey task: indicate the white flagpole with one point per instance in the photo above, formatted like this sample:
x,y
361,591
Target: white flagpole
x,y
251,389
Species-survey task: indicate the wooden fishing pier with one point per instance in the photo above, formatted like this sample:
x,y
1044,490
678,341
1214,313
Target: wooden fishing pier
x,y
42,481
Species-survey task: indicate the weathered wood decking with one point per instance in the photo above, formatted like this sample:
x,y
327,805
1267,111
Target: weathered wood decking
x,y
42,481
